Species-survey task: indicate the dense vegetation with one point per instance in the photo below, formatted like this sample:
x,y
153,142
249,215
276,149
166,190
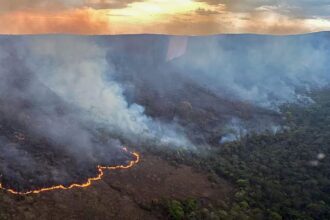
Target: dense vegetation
x,y
277,176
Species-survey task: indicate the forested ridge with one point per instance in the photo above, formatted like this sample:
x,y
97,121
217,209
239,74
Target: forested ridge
x,y
277,176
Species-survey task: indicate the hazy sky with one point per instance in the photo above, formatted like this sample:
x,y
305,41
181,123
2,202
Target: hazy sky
x,y
190,17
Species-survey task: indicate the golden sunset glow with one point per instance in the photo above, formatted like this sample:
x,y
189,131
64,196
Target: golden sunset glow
x,y
142,17
183,17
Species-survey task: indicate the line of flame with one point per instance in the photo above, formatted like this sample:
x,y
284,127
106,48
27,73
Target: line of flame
x,y
76,185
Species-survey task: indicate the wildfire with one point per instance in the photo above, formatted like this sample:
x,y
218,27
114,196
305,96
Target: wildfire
x,y
76,185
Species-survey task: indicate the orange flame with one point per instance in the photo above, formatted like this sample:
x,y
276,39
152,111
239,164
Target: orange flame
x,y
76,185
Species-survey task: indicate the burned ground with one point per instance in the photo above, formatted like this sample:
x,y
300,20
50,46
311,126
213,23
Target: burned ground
x,y
121,194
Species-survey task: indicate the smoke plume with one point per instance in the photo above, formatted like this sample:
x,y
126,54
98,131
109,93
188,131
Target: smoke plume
x,y
63,113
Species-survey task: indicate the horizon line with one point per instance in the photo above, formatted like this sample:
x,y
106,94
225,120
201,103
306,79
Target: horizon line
x,y
161,34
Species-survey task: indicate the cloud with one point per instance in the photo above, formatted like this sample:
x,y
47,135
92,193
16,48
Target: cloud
x,y
163,17
207,12
293,7
77,21
240,6
58,5
110,4
261,22
17,5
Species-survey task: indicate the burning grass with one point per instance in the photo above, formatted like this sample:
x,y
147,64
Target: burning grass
x,y
88,183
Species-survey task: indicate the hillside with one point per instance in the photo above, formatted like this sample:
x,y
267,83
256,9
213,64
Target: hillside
x,y
226,126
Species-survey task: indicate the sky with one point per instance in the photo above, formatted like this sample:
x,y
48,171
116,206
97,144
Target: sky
x,y
179,17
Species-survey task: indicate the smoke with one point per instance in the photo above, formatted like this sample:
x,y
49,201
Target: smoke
x,y
70,103
43,139
63,113
222,78
236,129
263,70
77,71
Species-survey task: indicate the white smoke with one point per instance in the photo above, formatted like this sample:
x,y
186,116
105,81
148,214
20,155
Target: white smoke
x,y
77,71
263,70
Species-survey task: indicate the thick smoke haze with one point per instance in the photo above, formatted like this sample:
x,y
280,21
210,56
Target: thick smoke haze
x,y
70,101
251,76
44,140
267,71
63,113
77,71
106,77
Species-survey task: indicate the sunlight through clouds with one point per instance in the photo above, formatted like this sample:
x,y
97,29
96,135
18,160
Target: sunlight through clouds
x,y
182,17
